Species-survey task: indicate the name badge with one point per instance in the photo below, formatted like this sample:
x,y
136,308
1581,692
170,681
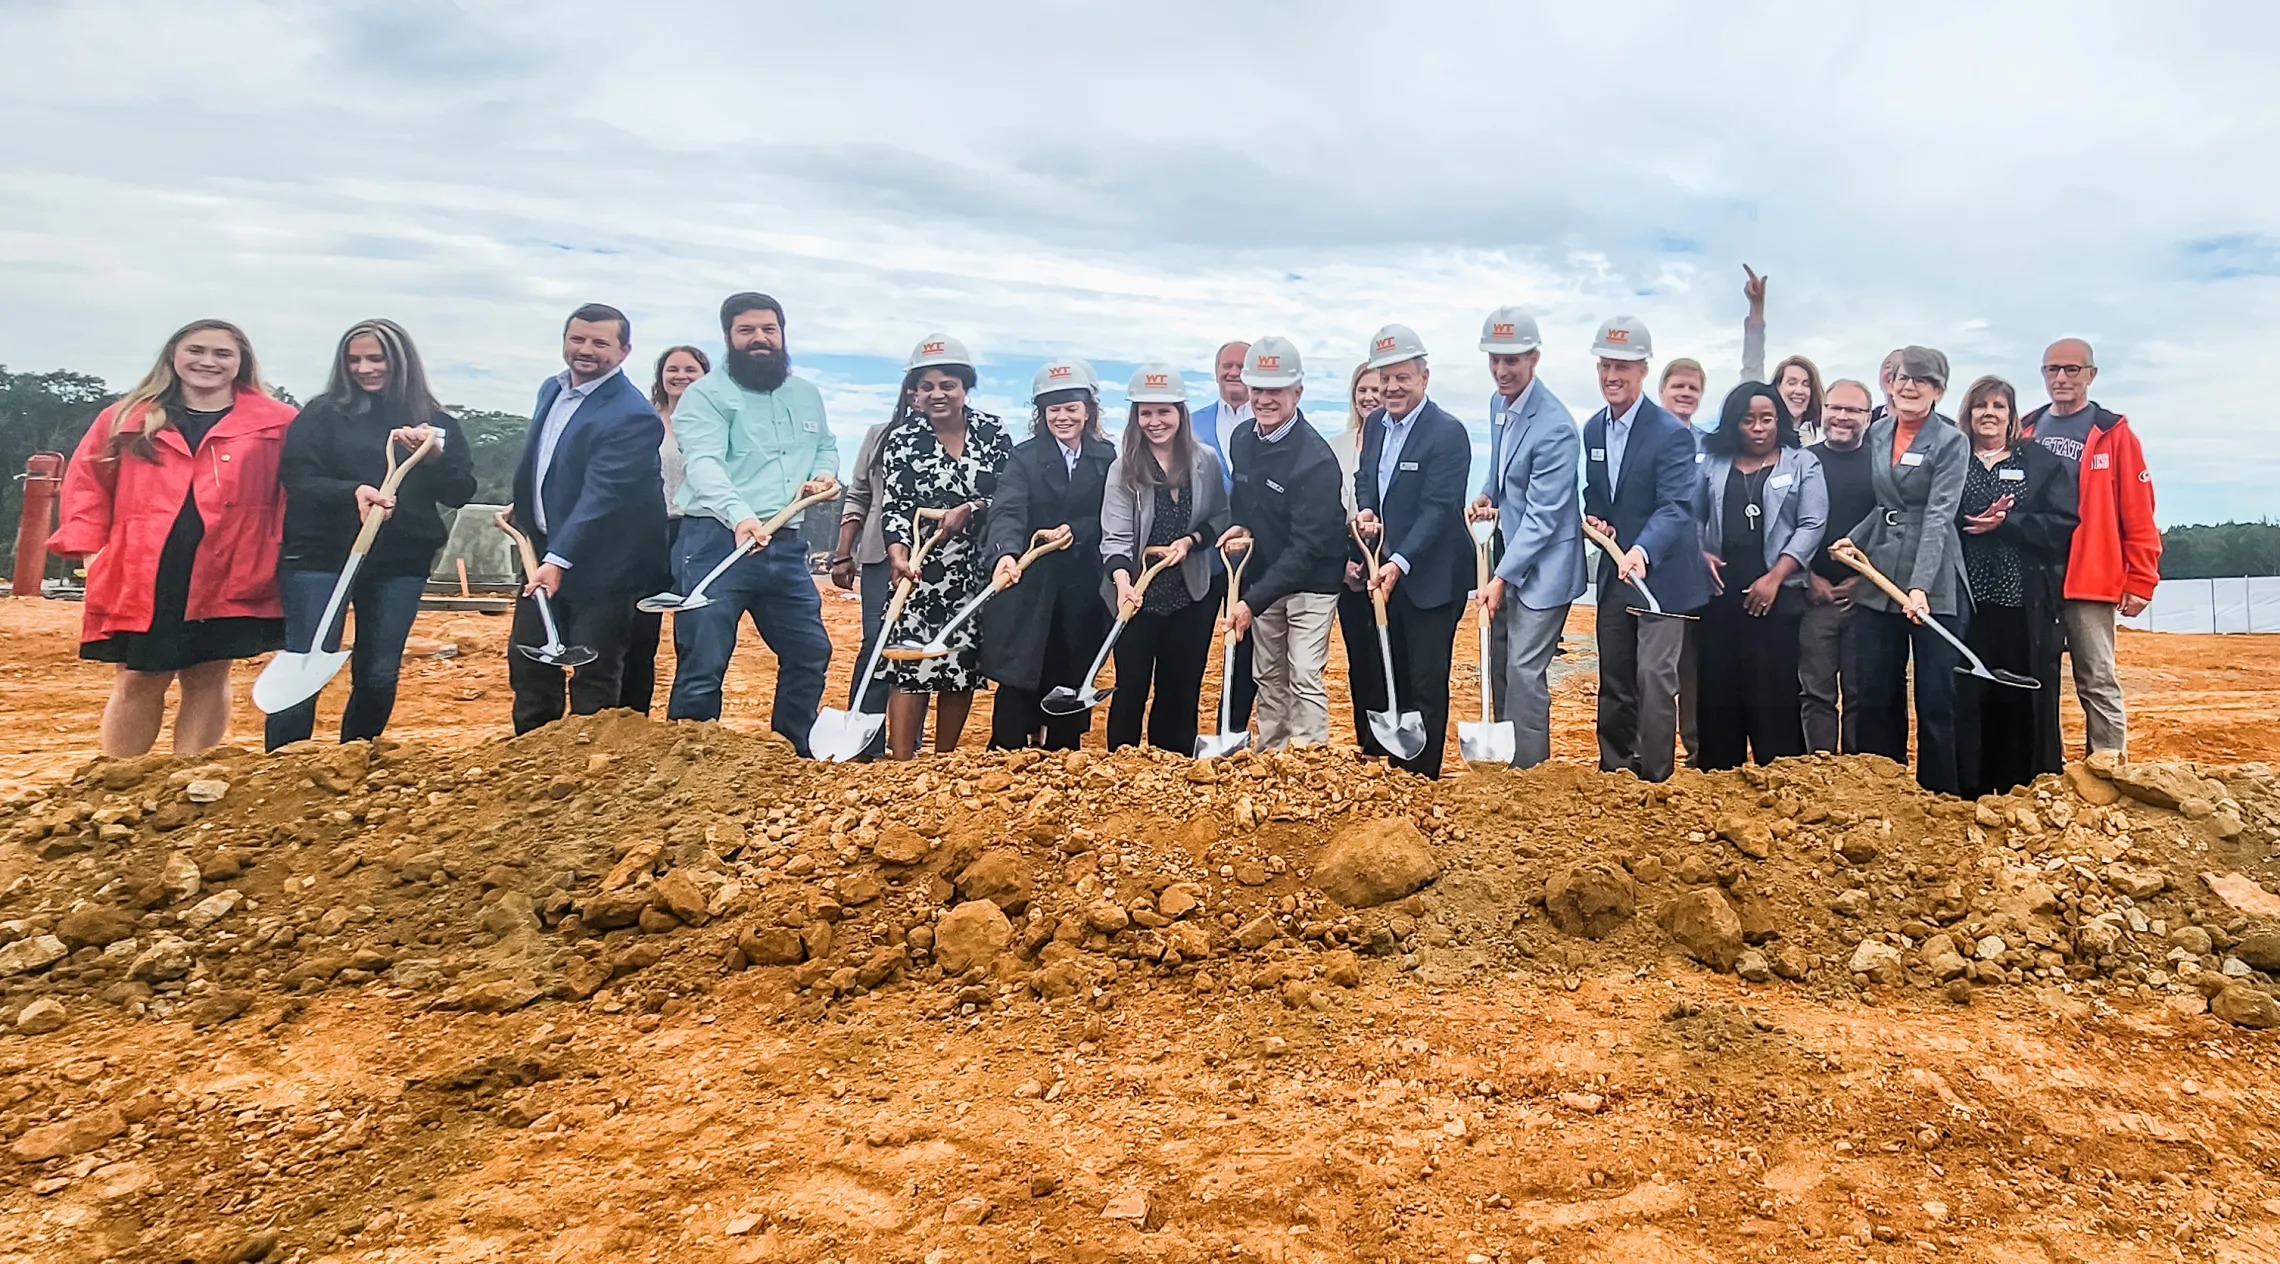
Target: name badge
x,y
1911,458
2102,461
1781,480
1406,466
1274,486
2012,476
1699,457
808,426
1599,454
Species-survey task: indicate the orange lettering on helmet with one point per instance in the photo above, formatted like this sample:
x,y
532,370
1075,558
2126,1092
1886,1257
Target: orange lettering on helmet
x,y
932,348
1157,379
1500,331
1618,335
1270,362
1057,372
1385,344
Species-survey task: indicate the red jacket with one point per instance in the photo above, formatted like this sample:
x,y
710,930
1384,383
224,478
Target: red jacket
x,y
121,510
2117,548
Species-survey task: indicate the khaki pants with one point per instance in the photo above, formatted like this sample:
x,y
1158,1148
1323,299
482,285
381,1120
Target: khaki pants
x,y
2090,649
1290,649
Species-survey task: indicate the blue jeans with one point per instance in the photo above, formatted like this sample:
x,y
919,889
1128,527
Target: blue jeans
x,y
1885,641
385,606
774,588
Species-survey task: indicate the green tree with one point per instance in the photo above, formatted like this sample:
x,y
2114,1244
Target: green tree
x,y
2221,550
40,412
496,440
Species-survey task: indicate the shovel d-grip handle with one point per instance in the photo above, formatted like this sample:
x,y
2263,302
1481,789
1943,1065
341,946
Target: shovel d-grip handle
x,y
1370,555
1163,555
506,523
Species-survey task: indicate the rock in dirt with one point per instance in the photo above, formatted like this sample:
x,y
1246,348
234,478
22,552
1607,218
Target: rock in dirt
x,y
1750,836
2136,883
206,790
899,845
37,952
1878,960
2089,786
95,927
1341,968
1705,926
2245,1005
165,959
1000,877
179,877
1754,966
2161,785
1131,1206
67,1137
2243,894
41,1017
970,935
776,946
678,893
2260,947
1374,862
1590,899
1942,958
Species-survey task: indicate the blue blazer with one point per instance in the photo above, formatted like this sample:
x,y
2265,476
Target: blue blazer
x,y
1650,505
604,492
1424,504
1533,477
1205,420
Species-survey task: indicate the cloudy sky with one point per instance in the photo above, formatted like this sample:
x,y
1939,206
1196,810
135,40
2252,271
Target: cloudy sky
x,y
1148,180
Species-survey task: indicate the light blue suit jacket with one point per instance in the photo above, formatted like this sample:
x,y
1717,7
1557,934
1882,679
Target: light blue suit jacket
x,y
1534,481
1206,423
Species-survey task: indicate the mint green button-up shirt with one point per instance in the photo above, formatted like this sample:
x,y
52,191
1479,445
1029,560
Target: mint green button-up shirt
x,y
744,454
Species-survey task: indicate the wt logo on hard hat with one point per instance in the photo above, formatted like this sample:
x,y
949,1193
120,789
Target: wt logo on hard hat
x,y
932,348
1157,379
1495,331
1057,372
1618,335
1385,344
1270,362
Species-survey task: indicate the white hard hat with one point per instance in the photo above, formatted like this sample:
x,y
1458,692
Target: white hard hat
x,y
1509,331
1393,344
1157,383
1623,338
937,349
1272,363
1065,374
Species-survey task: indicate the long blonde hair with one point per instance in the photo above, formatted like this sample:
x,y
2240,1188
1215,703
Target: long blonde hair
x,y
150,407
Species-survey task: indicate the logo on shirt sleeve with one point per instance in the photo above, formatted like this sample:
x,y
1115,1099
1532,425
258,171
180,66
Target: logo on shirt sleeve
x,y
2102,461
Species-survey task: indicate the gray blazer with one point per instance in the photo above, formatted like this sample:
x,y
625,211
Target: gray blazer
x,y
1911,534
1127,516
1534,481
1796,509
863,499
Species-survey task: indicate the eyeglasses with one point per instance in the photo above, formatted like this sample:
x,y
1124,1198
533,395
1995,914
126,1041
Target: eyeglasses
x,y
1899,379
1843,410
2064,370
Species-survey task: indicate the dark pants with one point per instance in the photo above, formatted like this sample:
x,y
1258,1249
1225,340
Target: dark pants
x,y
1689,697
1015,716
1828,672
1164,654
1365,680
602,622
2006,737
1638,689
1242,691
385,606
1886,641
637,689
877,586
774,588
1747,684
1423,643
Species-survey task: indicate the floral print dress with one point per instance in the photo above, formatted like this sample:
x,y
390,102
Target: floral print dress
x,y
920,474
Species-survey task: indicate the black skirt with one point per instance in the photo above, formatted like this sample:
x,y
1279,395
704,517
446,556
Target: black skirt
x,y
173,642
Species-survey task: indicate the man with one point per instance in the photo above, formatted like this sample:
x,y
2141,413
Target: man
x,y
1286,499
1534,453
753,440
1828,673
1681,393
2115,560
1215,425
1680,388
1639,481
591,494
1409,490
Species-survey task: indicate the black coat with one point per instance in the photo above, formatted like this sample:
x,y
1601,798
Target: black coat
x,y
2041,525
1424,505
1059,597
329,453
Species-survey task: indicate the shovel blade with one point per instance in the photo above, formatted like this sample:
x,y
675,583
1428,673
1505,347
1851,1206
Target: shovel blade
x,y
839,736
2000,676
1066,701
1491,743
292,679
559,655
1403,735
1215,745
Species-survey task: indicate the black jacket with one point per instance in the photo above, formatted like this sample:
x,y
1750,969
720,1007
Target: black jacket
x,y
1286,495
329,453
1059,596
1424,505
2041,526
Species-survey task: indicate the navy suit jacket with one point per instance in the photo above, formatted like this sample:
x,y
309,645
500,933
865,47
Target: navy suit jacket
x,y
1651,505
604,492
1423,508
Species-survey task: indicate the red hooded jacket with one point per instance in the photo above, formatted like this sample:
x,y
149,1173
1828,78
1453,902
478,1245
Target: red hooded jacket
x,y
121,510
2117,548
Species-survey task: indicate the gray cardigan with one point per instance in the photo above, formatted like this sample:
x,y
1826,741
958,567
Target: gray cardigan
x,y
1126,517
863,500
1910,535
1796,508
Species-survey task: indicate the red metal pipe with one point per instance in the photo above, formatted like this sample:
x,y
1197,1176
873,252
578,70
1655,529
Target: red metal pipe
x,y
43,476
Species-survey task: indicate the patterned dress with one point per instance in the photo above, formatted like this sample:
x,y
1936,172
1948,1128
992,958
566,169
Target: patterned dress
x,y
919,474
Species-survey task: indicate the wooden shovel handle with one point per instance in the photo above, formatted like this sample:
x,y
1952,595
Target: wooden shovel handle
x,y
1603,540
1163,556
1849,553
522,543
1370,555
775,522
396,472
1037,550
1235,555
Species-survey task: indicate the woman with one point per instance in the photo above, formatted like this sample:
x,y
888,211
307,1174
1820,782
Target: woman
x,y
1164,491
336,457
940,454
1917,460
1763,508
174,491
1798,381
1357,621
2017,517
676,370
1043,630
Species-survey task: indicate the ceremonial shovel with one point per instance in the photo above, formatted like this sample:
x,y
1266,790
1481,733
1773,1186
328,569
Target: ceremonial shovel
x,y
1492,740
1654,608
659,603
839,736
1401,733
554,652
1849,553
1063,700
294,678
1228,739
906,651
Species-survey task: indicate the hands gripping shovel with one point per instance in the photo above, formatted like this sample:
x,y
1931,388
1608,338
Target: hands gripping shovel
x,y
554,652
1972,665
659,603
839,736
294,678
1400,732
905,651
1229,739
1063,700
1654,608
1492,740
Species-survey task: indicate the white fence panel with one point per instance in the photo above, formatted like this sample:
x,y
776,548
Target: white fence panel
x,y
2233,604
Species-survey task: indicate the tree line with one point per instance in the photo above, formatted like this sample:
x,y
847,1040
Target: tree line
x,y
48,412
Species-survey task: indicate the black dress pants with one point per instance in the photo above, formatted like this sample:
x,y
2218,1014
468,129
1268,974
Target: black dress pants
x,y
1365,678
1164,654
1015,716
1423,640
602,622
2006,737
1747,684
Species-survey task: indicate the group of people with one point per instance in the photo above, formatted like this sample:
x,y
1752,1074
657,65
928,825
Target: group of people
x,y
1729,619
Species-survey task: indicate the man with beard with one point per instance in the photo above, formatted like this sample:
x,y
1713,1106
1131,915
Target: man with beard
x,y
753,440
